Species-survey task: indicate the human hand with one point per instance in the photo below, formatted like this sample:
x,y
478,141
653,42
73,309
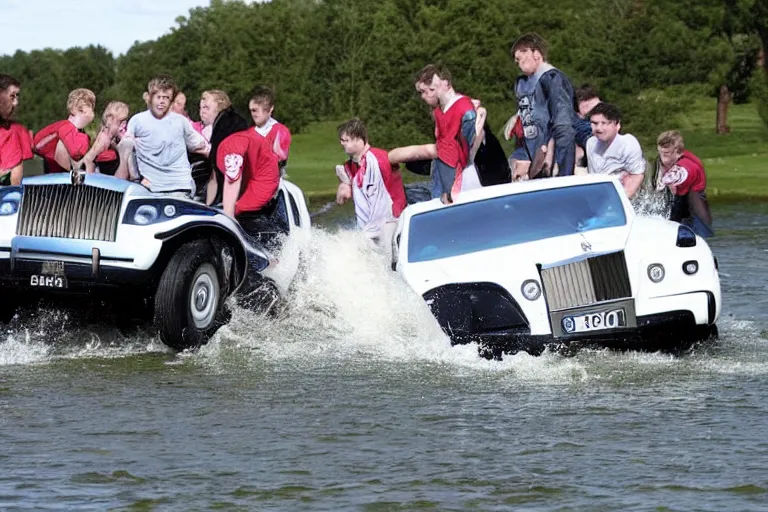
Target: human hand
x,y
509,127
343,193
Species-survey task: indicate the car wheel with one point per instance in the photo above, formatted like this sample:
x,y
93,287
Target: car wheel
x,y
189,303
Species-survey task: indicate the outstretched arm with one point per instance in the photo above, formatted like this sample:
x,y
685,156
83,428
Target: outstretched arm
x,y
413,153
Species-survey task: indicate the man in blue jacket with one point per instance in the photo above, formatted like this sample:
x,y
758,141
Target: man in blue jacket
x,y
545,109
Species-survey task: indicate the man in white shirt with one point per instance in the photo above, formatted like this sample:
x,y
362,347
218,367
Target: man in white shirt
x,y
161,139
610,152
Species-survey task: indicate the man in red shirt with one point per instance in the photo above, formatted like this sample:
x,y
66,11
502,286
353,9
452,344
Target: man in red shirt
x,y
376,184
64,142
681,173
11,144
251,178
261,105
455,133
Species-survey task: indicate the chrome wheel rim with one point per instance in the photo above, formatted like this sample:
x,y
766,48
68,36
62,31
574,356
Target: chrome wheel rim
x,y
204,298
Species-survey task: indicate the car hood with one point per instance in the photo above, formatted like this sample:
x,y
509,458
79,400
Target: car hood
x,y
518,262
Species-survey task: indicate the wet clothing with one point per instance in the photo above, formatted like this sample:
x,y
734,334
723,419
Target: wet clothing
x,y
247,156
75,141
161,150
377,191
545,105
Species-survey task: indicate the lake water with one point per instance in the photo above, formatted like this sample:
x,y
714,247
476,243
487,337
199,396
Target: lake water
x,y
354,400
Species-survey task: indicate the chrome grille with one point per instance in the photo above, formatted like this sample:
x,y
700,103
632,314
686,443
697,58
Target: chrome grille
x,y
588,281
68,211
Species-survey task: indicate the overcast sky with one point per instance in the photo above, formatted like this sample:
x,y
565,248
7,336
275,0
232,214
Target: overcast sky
x,y
115,24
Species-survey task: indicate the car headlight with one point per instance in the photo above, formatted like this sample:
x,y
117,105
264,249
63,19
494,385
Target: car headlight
x,y
145,214
531,289
691,267
656,272
9,202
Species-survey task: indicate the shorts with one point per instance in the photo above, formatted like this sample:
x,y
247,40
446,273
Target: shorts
x,y
443,176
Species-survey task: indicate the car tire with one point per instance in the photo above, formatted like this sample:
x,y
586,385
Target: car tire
x,y
189,306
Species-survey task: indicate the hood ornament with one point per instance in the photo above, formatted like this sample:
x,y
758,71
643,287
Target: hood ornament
x,y
586,246
77,177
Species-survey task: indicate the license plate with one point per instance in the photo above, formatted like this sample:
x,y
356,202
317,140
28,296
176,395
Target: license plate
x,y
614,319
48,281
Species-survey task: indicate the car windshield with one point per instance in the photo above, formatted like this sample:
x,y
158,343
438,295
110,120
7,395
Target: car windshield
x,y
513,219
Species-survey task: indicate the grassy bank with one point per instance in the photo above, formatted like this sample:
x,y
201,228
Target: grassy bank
x,y
735,163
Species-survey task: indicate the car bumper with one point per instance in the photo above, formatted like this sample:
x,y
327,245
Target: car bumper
x,y
81,277
670,330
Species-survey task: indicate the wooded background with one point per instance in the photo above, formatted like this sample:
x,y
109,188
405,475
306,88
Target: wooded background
x,y
333,59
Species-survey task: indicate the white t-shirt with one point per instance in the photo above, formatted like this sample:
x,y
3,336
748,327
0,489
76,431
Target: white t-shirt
x,y
622,155
161,150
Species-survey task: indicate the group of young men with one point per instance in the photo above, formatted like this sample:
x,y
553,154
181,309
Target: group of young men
x,y
555,130
154,146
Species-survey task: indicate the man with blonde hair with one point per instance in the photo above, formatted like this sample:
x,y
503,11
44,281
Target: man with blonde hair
x,y
160,139
681,174
62,143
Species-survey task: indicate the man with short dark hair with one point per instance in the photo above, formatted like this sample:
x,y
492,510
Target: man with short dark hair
x,y
456,133
261,106
610,152
12,145
545,108
376,185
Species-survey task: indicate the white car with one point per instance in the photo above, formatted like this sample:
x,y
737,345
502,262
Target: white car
x,y
562,261
82,238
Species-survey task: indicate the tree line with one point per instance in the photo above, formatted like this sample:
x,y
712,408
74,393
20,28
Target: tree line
x,y
332,59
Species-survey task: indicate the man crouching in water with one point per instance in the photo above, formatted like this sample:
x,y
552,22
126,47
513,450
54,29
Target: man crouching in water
x,y
161,139
376,185
680,173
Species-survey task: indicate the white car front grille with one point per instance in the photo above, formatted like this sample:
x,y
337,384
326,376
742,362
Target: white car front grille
x,y
69,211
588,281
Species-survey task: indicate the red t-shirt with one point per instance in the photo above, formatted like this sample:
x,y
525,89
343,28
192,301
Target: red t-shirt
x,y
25,139
11,153
247,155
393,179
452,147
695,179
75,141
